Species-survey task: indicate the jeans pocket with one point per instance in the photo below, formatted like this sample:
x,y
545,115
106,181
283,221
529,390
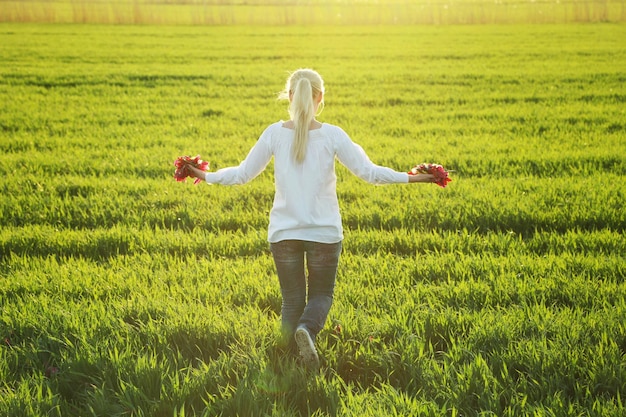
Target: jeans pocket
x,y
323,254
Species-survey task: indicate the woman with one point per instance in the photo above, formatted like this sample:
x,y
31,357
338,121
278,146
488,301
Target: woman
x,y
304,221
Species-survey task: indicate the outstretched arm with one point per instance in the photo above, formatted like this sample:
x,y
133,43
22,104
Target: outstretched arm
x,y
356,160
256,161
196,173
421,178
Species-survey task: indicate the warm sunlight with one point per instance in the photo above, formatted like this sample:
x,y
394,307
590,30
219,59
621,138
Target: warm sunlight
x,y
310,12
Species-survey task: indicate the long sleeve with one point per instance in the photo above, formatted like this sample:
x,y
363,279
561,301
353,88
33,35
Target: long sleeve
x,y
256,161
353,157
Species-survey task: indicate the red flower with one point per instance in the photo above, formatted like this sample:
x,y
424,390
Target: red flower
x,y
441,175
182,165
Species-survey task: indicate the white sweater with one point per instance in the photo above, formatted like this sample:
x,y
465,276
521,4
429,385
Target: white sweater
x,y
305,201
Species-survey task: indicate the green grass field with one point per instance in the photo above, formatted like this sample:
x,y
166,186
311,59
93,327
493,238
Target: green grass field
x,y
125,293
312,12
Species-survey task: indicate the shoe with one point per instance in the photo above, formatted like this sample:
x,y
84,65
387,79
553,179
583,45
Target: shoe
x,y
307,348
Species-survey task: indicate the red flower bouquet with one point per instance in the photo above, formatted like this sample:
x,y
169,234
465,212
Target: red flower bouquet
x,y
183,164
441,175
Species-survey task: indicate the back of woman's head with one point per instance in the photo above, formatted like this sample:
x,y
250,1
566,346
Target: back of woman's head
x,y
303,89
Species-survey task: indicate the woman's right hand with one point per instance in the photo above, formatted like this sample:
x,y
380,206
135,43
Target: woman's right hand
x,y
196,173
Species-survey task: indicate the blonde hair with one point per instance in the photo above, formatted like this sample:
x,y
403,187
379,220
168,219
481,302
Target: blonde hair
x,y
302,88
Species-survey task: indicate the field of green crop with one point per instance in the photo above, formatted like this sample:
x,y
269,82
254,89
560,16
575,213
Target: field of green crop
x,y
312,12
125,293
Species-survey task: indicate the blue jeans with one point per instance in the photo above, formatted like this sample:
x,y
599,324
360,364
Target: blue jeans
x,y
299,306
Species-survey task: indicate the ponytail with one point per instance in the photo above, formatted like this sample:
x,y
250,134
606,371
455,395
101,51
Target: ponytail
x,y
302,112
303,87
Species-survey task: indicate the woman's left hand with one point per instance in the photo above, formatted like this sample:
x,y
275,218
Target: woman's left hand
x,y
422,178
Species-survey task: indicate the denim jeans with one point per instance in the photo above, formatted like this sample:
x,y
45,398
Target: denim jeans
x,y
306,299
